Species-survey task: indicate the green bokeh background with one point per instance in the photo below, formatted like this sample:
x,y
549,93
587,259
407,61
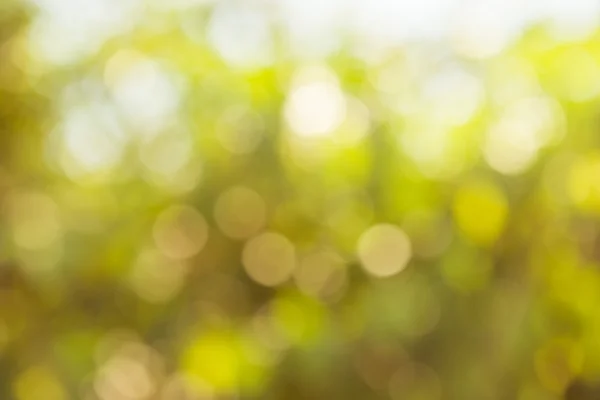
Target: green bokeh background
x,y
500,296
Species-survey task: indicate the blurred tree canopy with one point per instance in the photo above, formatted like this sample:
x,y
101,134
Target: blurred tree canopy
x,y
188,220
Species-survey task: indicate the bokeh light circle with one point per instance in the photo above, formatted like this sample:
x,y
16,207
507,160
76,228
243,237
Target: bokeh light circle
x,y
269,259
384,250
180,232
240,212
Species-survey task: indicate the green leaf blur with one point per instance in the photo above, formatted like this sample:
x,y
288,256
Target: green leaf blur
x,y
188,215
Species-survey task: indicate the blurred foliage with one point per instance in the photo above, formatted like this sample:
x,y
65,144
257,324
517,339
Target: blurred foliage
x,y
419,225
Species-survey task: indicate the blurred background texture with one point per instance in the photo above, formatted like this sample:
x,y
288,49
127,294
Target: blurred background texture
x,y
299,199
